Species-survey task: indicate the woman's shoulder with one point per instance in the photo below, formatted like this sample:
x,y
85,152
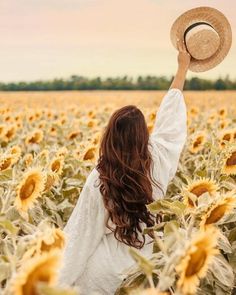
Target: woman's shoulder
x,y
91,187
92,180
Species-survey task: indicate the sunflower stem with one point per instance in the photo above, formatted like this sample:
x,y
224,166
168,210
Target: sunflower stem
x,y
191,225
150,280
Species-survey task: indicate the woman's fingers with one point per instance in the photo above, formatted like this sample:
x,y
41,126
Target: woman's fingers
x,y
180,45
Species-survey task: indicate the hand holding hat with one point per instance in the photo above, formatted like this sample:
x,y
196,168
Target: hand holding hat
x,y
206,34
184,57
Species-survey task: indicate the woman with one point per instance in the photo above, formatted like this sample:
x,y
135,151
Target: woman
x,y
133,170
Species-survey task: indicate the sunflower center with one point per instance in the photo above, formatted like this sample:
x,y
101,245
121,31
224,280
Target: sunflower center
x,y
73,135
197,142
56,166
232,160
196,262
199,190
222,112
89,154
216,214
39,274
27,189
5,164
227,137
34,138
58,243
10,133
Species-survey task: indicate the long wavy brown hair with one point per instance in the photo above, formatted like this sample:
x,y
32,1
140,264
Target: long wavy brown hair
x,y
124,168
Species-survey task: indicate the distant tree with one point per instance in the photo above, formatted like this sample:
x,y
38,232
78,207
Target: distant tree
x,y
220,84
76,82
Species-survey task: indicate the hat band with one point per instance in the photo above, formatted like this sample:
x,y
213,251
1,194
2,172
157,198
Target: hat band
x,y
195,25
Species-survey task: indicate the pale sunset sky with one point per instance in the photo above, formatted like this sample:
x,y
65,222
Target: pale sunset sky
x,y
44,39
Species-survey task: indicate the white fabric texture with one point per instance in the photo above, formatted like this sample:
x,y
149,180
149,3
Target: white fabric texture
x,y
93,259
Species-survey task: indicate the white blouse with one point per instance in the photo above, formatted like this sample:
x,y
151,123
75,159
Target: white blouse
x,y
93,260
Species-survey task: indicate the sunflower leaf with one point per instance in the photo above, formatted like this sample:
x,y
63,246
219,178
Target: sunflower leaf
x,y
145,265
168,207
5,271
222,271
9,226
6,175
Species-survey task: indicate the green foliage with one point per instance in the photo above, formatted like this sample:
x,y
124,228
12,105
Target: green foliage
x,y
118,83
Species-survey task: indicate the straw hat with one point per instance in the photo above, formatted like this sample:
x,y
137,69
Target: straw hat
x,y
207,35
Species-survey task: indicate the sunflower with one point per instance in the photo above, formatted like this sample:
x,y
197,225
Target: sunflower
x,y
89,154
56,165
198,142
38,114
234,134
222,112
51,178
77,153
225,135
211,119
41,268
92,114
73,135
34,137
224,123
28,159
47,240
53,131
7,119
42,124
229,166
92,123
191,129
193,112
6,162
17,118
31,118
152,116
44,154
63,121
29,189
49,114
62,152
196,260
15,150
19,125
2,129
10,132
55,238
150,127
196,188
96,138
224,205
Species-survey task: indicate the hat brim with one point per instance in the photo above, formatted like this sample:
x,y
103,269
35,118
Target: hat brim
x,y
218,21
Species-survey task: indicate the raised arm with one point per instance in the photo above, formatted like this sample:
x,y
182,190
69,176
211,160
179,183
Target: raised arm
x,y
183,65
170,128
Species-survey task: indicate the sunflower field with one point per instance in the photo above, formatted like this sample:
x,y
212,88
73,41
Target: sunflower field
x,y
49,144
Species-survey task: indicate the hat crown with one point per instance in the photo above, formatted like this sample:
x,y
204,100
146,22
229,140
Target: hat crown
x,y
202,40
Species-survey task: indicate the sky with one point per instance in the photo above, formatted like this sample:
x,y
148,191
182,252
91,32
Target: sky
x,y
45,39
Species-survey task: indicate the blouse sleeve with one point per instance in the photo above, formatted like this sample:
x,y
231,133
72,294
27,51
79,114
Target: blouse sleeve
x,y
169,133
83,231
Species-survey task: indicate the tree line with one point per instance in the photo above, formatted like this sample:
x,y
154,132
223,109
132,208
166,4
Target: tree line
x,y
118,83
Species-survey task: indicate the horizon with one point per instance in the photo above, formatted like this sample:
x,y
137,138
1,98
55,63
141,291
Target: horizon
x,y
134,78
57,39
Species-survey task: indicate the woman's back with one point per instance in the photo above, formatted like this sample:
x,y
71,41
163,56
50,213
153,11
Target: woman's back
x,y
94,258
